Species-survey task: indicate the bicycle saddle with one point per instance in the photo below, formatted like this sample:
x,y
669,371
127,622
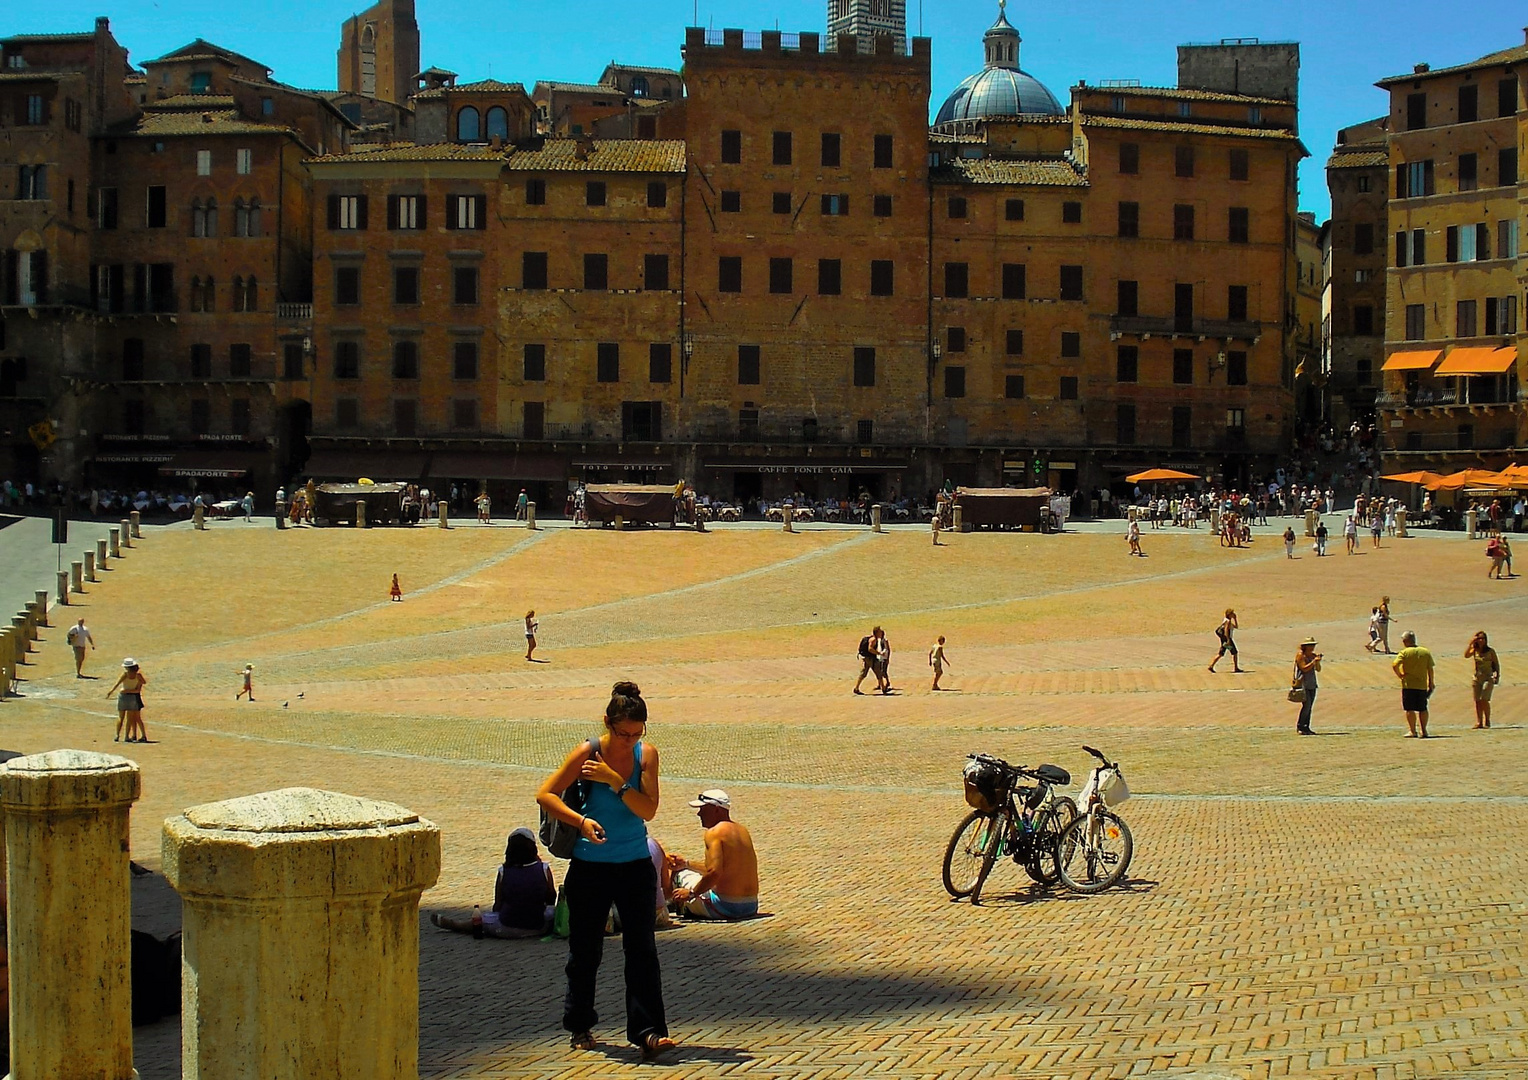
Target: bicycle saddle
x,y
1054,774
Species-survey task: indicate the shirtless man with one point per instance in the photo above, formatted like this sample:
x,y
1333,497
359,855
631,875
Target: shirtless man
x,y
727,886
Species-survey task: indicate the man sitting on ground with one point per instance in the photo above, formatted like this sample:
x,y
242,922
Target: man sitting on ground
x,y
727,887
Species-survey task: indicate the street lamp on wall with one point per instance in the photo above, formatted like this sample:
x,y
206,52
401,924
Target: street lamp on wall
x,y
686,350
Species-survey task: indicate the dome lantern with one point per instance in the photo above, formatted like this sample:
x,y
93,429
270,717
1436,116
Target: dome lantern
x,y
1002,41
1000,88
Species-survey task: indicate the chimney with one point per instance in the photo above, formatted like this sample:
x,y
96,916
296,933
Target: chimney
x,y
1421,68
584,148
1525,35
103,24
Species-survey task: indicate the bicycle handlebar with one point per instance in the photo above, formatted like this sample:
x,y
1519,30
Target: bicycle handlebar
x,y
1106,762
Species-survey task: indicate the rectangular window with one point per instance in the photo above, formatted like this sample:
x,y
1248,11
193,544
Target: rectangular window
x,y
781,275
1493,316
607,361
1068,388
1239,230
464,414
780,202
657,195
864,432
1127,364
729,274
955,382
1071,283
1129,219
244,161
201,416
1402,248
1418,247
347,211
405,284
596,272
204,163
864,366
37,112
1509,314
1071,344
660,363
829,277
1183,161
955,339
594,193
1469,172
466,211
1183,222
1506,97
535,191
1240,165
132,359
1013,387
1236,420
239,360
1013,281
1183,426
809,429
1464,319
1130,158
1506,238
882,277
464,360
464,285
1183,367
347,414
238,416
732,147
780,145
655,272
533,420
1363,239
347,360
835,205
1014,342
831,149
732,202
201,358
1013,210
1506,166
533,270
1363,320
291,360
347,285
883,151
406,359
1416,112
956,282
1236,303
956,208
1469,103
748,365
1236,369
1414,179
106,208
1183,307
155,215
1124,425
1416,322
1128,298
748,425
535,363
1071,213
405,212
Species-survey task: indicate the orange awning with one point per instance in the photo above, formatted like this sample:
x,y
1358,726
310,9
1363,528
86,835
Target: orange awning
x,y
1460,480
1487,360
1419,360
1157,475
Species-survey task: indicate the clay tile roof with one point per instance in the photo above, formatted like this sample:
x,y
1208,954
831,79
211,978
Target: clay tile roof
x,y
202,49
1185,94
413,152
1505,56
84,35
607,155
191,101
973,138
579,88
184,122
29,75
1140,124
1051,172
641,68
482,86
1358,159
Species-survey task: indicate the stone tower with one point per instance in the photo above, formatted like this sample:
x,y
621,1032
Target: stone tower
x,y
379,52
867,18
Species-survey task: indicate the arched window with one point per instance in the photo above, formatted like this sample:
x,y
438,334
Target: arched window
x,y
467,125
251,294
198,218
639,87
210,214
496,123
196,294
254,217
238,293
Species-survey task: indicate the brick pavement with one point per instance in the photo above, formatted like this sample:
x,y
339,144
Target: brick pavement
x,y
1324,907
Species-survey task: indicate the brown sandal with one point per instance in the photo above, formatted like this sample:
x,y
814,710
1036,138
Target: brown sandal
x,y
656,1044
582,1040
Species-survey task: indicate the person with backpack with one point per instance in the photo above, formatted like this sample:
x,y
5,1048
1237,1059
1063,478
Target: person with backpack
x,y
523,895
1224,633
79,637
613,780
868,661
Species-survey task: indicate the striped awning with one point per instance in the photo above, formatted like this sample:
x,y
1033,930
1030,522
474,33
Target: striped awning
x,y
1489,360
1416,360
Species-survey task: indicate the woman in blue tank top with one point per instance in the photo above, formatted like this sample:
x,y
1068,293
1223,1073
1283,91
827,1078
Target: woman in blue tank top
x,y
610,865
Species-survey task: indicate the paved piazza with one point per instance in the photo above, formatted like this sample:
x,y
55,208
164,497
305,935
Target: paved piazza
x,y
1344,906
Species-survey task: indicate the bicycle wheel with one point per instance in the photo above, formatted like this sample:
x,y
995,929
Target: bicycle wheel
x,y
966,852
1043,865
1002,822
1094,852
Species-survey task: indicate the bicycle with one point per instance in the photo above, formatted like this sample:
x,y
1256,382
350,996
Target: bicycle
x,y
1095,848
996,826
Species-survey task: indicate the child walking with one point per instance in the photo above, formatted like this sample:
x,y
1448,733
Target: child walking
x,y
937,660
249,686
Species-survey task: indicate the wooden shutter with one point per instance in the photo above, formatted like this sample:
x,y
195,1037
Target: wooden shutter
x,y
360,213
12,277
421,220
453,211
480,216
40,276
334,211
392,212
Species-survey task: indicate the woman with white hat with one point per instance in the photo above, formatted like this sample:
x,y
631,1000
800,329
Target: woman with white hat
x,y
1307,663
130,701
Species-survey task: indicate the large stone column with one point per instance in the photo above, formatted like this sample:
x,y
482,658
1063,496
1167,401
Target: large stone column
x,y
68,904
301,946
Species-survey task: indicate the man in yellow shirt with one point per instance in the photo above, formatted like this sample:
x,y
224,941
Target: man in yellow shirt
x,y
1413,665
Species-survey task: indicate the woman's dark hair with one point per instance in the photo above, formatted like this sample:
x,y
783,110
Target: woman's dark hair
x,y
520,849
625,704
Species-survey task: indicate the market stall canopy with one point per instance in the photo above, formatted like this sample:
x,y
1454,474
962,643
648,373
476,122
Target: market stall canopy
x,y
1460,480
1420,476
1153,475
1478,361
1502,481
1413,360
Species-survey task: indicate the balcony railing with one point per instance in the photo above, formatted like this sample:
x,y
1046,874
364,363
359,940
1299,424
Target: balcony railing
x,y
294,312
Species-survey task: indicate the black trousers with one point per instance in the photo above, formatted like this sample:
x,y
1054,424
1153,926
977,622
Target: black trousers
x,y
591,887
1303,724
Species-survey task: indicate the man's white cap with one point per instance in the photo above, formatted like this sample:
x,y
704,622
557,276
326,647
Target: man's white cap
x,y
713,797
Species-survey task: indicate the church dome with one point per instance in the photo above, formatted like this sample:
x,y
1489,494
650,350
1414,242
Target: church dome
x,y
1000,88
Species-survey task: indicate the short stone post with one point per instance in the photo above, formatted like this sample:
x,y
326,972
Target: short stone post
x,y
958,519
445,514
301,935
101,554
360,513
620,523
281,514
1471,522
1311,518
125,531
19,638
42,607
68,906
199,517
875,517
137,525
114,542
530,515
63,587
90,566
28,616
787,512
77,577
1400,522
7,661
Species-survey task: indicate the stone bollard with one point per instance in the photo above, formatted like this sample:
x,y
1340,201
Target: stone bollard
x,y
7,662
958,519
101,554
90,566
789,512
137,525
42,607
198,517
360,513
1400,522
281,514
125,531
114,542
445,514
620,523
1471,522
530,515
875,517
63,587
68,907
28,617
301,935
77,577
1311,518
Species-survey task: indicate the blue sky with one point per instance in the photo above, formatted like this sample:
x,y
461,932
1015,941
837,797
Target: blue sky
x,y
1345,45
